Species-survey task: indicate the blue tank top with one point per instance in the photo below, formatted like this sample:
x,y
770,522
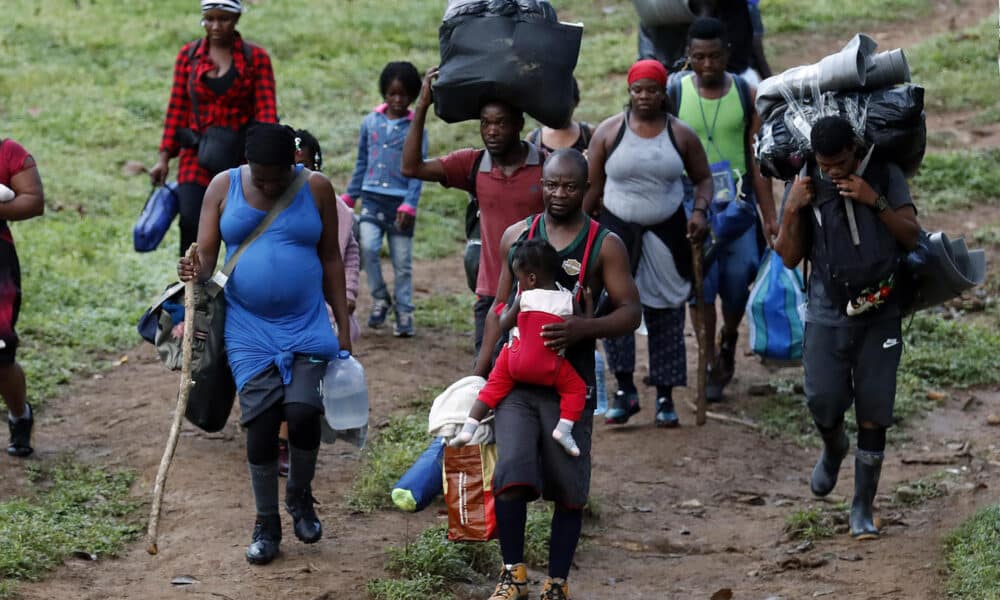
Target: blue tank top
x,y
274,298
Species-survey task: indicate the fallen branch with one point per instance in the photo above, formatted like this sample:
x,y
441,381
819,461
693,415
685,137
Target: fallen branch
x,y
700,333
175,427
724,418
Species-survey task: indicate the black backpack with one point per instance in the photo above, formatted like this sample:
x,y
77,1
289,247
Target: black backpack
x,y
852,250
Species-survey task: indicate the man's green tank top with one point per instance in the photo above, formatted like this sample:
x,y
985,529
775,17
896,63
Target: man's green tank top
x,y
720,124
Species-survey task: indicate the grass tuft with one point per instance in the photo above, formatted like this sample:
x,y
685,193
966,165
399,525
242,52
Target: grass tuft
x,y
784,16
451,312
952,180
973,557
75,508
385,460
812,523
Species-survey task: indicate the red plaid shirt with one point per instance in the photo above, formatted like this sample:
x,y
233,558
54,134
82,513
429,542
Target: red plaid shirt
x,y
250,98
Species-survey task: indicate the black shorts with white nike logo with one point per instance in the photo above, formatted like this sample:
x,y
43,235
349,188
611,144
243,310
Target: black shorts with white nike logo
x,y
852,363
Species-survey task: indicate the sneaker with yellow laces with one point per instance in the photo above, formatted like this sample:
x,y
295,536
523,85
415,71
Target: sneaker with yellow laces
x,y
513,584
555,589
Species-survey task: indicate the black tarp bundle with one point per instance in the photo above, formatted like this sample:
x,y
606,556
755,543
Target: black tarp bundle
x,y
892,119
510,50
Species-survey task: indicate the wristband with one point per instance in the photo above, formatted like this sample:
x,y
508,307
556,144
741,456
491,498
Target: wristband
x,y
703,211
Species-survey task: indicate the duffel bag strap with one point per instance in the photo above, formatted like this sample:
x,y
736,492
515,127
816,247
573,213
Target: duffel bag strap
x,y
221,277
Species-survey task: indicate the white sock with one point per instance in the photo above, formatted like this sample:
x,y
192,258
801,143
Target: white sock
x,y
465,436
563,433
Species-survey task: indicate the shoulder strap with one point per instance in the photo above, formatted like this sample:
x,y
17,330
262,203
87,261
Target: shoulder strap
x,y
474,173
743,90
585,134
535,135
592,231
674,89
670,132
279,206
534,225
619,136
193,62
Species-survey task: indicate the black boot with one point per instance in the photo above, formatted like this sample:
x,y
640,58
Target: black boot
x,y
867,468
266,540
299,504
20,435
835,447
727,355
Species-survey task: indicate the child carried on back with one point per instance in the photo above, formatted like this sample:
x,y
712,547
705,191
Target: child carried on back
x,y
525,358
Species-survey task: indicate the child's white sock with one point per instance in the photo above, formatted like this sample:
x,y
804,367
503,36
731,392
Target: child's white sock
x,y
465,436
563,433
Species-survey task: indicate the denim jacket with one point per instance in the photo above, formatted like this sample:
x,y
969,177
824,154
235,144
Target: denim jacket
x,y
380,150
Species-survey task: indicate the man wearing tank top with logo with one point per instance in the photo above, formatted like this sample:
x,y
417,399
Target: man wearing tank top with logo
x,y
720,108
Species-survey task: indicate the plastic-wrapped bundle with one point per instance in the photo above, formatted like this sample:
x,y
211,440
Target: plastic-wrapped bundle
x,y
511,50
891,119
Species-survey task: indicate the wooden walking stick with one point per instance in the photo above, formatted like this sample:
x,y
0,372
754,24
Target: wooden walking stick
x,y
182,400
701,404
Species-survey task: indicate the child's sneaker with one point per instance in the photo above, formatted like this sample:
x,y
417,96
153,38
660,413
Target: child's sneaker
x,y
404,325
380,310
513,583
563,433
555,589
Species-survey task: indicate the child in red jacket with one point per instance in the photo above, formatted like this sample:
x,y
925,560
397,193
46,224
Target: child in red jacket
x,y
525,358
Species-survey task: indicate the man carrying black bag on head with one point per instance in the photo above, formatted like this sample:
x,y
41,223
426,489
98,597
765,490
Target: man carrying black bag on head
x,y
854,220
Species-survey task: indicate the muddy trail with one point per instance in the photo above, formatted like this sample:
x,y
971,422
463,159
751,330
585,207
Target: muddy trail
x,y
683,513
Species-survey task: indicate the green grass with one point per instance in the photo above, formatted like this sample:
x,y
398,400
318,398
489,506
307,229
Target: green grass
x,y
385,459
959,70
987,234
448,313
74,508
973,557
785,16
953,180
811,523
915,493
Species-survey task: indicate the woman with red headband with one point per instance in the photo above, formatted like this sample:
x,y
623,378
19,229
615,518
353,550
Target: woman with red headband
x,y
636,160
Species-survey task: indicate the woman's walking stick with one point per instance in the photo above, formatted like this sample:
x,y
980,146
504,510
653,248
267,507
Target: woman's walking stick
x,y
182,400
700,333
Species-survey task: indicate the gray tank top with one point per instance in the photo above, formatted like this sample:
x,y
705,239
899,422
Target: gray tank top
x,y
643,179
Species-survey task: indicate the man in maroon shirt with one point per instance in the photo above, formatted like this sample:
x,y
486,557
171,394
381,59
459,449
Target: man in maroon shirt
x,y
507,183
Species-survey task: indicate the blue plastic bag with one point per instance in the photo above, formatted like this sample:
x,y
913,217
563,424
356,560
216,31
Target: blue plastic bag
x,y
775,311
418,487
155,219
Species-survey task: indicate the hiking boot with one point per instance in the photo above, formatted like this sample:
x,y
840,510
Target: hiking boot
x,y
555,589
299,504
404,325
513,583
623,406
665,414
380,310
824,475
20,434
867,468
266,540
282,458
713,383
727,356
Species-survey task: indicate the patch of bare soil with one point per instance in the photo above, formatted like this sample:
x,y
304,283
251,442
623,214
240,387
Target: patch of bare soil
x,y
685,512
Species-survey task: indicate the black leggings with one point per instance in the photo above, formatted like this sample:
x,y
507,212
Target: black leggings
x,y
262,432
189,198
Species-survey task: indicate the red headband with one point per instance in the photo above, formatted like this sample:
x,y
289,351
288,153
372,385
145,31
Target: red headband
x,y
648,69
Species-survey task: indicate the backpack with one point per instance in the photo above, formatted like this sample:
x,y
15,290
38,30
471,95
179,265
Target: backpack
x,y
852,250
473,242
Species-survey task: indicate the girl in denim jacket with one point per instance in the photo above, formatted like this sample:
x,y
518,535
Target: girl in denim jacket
x,y
389,200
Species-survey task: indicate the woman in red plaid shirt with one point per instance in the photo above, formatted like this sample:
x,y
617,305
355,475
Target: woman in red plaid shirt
x,y
232,85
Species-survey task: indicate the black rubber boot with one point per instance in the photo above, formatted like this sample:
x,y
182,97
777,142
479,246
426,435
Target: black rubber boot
x,y
867,468
266,540
20,435
299,504
835,447
727,356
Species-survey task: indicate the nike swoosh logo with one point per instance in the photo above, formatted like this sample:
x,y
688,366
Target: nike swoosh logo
x,y
889,343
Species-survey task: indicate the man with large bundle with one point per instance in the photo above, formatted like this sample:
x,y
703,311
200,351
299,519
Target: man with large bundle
x,y
853,218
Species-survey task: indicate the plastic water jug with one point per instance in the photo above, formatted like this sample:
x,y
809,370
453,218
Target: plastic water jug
x,y
602,389
345,393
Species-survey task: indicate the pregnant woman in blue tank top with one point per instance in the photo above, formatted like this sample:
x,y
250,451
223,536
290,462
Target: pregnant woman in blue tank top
x,y
278,335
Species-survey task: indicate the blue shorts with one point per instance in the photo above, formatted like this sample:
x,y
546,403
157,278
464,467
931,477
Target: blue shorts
x,y
733,272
